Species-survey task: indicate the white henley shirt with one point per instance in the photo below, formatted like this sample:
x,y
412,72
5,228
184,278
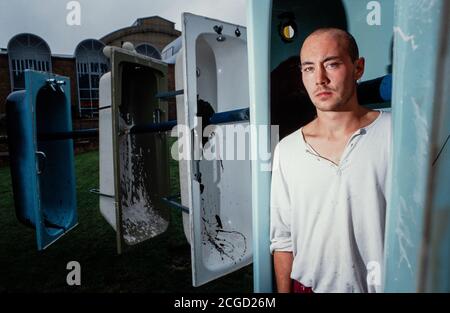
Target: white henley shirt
x,y
332,216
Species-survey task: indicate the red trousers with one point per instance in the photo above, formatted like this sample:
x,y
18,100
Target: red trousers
x,y
300,288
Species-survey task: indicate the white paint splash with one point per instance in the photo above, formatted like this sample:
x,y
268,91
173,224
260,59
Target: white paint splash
x,y
405,37
427,5
420,157
403,233
140,219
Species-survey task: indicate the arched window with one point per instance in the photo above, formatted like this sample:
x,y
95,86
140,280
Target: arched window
x,y
27,51
91,64
148,50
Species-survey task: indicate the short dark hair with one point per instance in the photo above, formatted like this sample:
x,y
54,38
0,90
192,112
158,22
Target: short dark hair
x,y
352,46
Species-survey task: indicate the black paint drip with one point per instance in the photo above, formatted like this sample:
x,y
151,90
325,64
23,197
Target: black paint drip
x,y
213,233
442,149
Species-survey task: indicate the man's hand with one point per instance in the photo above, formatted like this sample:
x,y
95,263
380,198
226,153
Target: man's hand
x,y
283,266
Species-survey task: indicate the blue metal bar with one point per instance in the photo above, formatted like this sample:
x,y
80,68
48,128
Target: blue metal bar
x,y
218,118
170,201
230,116
97,192
169,94
376,90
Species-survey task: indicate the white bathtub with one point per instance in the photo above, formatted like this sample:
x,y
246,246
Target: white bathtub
x,y
134,173
217,190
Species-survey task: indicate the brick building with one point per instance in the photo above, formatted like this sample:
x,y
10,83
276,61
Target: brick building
x,y
85,67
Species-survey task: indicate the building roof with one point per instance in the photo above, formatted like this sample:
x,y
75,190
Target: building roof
x,y
140,20
142,25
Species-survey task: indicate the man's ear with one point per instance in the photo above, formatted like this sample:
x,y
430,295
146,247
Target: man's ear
x,y
359,68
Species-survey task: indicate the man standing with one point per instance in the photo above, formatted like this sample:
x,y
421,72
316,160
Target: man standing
x,y
328,195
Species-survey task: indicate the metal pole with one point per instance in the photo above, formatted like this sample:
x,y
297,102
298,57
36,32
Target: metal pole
x,y
259,18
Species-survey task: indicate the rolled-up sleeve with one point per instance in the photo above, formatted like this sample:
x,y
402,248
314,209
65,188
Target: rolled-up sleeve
x,y
280,226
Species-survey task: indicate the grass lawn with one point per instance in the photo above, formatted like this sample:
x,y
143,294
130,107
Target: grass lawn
x,y
161,264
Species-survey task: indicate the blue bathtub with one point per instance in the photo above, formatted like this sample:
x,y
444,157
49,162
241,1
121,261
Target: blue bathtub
x,y
42,170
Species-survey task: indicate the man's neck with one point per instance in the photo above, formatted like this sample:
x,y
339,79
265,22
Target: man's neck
x,y
332,124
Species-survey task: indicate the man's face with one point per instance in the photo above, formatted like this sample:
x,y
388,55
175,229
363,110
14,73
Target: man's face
x,y
328,73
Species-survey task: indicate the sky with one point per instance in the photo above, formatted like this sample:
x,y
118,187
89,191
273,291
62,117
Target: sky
x,y
48,18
